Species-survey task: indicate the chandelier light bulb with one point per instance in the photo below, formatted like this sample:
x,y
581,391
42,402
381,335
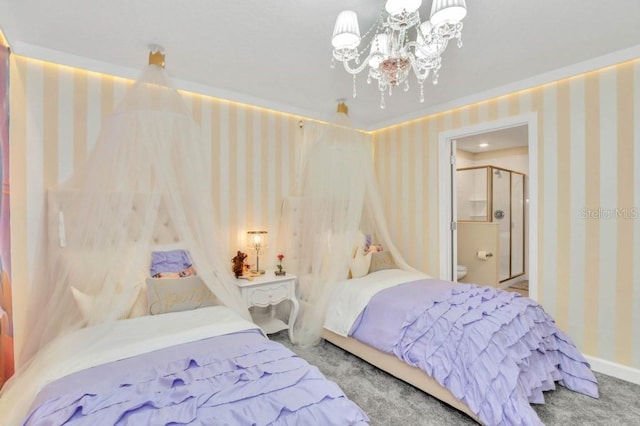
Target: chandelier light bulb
x,y
346,33
397,7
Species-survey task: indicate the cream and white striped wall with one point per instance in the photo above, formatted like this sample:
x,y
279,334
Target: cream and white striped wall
x,y
56,114
588,164
589,171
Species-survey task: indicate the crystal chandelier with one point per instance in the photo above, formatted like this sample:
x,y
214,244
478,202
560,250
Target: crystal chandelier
x,y
394,48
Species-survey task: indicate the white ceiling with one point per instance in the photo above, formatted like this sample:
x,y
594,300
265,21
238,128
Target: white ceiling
x,y
276,53
510,137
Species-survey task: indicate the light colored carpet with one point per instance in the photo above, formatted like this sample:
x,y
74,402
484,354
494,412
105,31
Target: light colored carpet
x,y
389,401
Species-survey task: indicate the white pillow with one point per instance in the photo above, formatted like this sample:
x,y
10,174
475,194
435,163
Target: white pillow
x,y
84,302
89,305
83,266
140,307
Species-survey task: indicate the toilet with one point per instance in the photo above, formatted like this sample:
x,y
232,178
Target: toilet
x,y
461,271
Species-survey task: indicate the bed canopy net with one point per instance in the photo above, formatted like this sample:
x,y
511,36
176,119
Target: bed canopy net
x,y
144,184
336,206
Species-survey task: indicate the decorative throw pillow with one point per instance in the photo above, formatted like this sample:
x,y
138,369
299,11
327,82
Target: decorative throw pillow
x,y
381,260
171,262
177,294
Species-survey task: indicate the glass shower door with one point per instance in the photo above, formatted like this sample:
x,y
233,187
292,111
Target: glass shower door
x,y
501,212
517,224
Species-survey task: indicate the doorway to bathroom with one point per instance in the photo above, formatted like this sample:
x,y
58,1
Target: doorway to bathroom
x,y
488,199
490,213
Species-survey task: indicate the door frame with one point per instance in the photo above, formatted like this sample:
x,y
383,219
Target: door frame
x,y
446,193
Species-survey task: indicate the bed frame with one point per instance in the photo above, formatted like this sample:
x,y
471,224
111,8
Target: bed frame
x,y
394,366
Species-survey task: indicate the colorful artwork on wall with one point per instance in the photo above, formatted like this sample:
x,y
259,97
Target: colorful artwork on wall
x,y
6,321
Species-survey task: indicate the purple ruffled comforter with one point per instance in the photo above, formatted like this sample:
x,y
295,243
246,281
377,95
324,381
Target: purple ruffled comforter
x,y
236,379
494,350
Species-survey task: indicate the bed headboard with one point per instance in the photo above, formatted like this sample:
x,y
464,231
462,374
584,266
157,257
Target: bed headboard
x,y
58,219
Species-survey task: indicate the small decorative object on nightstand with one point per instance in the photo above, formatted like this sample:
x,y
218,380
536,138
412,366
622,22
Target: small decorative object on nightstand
x,y
268,290
280,271
238,264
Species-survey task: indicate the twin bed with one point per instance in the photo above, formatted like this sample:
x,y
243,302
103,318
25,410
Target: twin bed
x,y
203,366
486,352
179,357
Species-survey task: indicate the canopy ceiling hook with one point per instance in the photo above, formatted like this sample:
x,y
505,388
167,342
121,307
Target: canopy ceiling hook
x,y
156,55
342,107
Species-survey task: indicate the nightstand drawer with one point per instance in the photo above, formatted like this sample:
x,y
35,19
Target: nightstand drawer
x,y
269,294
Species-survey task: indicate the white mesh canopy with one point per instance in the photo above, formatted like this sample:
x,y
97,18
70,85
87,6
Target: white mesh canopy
x,y
144,183
338,201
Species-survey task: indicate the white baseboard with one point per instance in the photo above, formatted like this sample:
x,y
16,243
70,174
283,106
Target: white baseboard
x,y
618,371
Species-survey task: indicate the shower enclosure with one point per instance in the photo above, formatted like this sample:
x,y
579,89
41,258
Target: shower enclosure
x,y
495,194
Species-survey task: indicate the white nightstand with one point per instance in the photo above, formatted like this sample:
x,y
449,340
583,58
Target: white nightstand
x,y
269,290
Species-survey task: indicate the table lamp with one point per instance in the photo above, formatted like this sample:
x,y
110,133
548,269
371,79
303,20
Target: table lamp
x,y
257,240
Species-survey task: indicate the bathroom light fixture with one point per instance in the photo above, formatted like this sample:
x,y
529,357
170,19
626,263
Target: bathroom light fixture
x,y
257,240
391,52
483,145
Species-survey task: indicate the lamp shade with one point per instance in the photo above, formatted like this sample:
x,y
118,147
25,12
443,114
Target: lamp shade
x,y
346,33
379,50
257,239
447,11
396,7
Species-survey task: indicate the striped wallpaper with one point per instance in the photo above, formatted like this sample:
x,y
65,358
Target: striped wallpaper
x,y
588,166
588,206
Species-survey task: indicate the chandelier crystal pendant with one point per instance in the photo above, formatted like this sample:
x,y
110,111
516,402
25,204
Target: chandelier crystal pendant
x,y
398,42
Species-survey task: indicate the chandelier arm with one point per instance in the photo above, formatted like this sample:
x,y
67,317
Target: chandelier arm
x,y
358,69
449,31
377,25
423,72
417,70
418,47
